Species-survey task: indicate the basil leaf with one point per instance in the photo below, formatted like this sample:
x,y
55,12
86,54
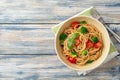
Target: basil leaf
x,y
71,41
75,35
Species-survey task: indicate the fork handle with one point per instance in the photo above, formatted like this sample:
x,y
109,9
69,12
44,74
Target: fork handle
x,y
114,34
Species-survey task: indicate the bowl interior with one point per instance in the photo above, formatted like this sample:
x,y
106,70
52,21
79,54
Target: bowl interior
x,y
105,38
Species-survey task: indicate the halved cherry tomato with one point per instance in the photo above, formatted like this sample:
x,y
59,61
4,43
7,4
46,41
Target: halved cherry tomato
x,y
98,45
77,42
72,59
75,24
89,44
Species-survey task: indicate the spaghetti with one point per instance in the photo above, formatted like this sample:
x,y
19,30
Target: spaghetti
x,y
81,43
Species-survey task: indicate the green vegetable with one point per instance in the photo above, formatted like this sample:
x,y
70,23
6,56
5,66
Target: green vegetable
x,y
74,54
83,30
61,42
75,35
89,61
94,39
84,52
83,22
70,45
63,36
71,41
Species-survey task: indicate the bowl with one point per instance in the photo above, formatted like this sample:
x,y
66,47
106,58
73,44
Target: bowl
x,y
105,38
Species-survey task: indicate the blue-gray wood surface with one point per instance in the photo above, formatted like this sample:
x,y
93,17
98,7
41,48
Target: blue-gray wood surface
x,y
27,42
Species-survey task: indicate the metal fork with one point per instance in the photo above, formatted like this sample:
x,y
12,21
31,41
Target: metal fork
x,y
96,15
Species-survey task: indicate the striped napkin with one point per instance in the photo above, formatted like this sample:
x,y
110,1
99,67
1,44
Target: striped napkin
x,y
91,12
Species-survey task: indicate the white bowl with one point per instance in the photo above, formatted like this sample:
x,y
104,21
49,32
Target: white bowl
x,y
105,38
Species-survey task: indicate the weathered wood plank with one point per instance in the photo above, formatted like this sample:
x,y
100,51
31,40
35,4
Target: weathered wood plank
x,y
26,39
53,11
31,39
35,67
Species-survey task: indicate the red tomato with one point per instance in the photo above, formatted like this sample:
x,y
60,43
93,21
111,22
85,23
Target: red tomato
x,y
98,45
71,59
77,42
73,25
89,44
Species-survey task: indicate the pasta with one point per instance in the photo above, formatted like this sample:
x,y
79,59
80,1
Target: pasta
x,y
81,43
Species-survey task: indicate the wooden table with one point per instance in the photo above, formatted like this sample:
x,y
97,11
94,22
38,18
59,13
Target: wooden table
x,y
27,42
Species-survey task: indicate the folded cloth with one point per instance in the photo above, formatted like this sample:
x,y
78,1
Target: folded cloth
x,y
91,12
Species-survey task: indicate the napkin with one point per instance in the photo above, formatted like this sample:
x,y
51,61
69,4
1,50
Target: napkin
x,y
91,12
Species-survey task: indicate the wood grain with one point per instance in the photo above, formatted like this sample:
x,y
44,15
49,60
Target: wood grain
x,y
53,11
35,67
26,39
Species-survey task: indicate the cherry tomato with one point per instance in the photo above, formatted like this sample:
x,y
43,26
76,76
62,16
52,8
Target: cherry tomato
x,y
73,25
77,42
72,59
89,44
98,45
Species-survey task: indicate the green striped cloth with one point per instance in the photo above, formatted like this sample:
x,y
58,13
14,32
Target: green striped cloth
x,y
90,12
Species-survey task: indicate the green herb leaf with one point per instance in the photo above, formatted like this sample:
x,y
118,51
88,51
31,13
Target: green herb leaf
x,y
89,61
83,22
70,45
71,41
75,35
62,42
84,52
74,54
83,30
94,39
63,36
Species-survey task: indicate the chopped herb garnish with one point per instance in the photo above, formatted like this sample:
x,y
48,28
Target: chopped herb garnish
x,y
74,54
83,22
89,61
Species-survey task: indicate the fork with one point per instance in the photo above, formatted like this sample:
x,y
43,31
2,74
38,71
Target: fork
x,y
96,15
